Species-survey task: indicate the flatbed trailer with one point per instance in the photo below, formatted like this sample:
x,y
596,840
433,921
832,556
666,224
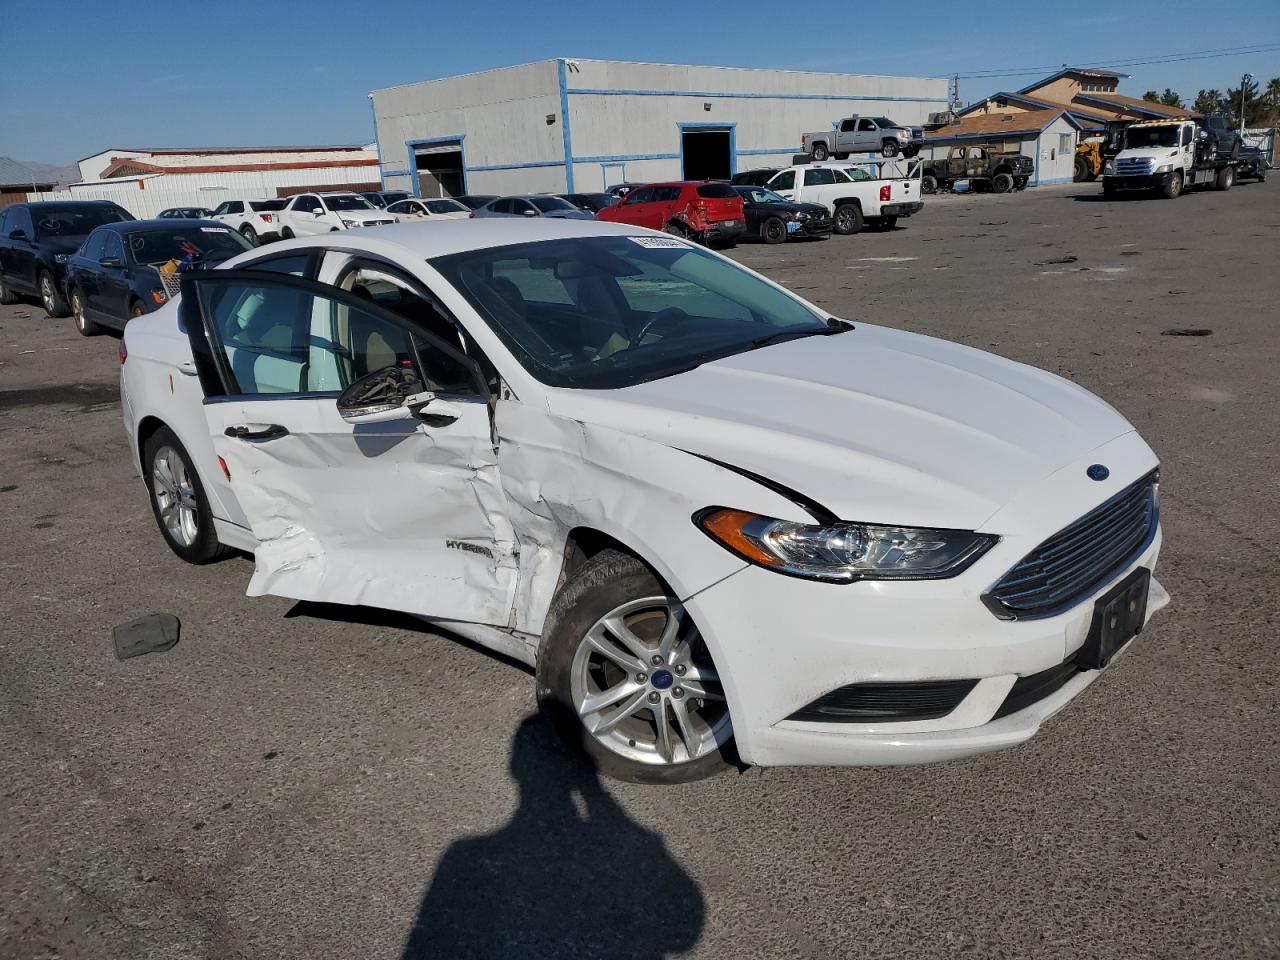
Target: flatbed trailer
x,y
1166,158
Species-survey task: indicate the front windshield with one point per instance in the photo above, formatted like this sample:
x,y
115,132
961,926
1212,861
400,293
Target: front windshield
x,y
551,203
445,206
74,219
607,312
762,195
345,202
1139,137
883,122
197,243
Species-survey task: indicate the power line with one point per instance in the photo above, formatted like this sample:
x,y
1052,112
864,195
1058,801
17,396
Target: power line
x,y
1210,54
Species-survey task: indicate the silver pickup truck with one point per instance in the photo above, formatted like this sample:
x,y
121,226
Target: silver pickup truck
x,y
863,135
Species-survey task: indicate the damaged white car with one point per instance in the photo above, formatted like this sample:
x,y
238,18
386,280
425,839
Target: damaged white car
x,y
719,522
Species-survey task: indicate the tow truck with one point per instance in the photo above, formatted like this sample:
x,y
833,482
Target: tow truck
x,y
1166,157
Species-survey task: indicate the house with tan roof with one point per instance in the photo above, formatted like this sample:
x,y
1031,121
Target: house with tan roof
x,y
1047,135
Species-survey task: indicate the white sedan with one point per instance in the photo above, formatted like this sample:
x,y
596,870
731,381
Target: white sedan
x,y
721,523
440,208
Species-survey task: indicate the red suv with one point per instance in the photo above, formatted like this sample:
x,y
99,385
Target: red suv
x,y
704,210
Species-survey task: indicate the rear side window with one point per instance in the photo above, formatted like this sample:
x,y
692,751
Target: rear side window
x,y
819,178
786,180
716,191
235,206
259,205
642,195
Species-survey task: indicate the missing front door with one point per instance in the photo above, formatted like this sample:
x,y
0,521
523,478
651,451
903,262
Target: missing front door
x,y
705,153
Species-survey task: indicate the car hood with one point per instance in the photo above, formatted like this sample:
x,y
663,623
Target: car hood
x,y
570,214
874,424
364,214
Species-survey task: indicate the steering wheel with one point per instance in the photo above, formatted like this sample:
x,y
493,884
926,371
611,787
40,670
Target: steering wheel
x,y
670,313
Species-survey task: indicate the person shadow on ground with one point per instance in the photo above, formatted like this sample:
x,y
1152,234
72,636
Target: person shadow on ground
x,y
570,875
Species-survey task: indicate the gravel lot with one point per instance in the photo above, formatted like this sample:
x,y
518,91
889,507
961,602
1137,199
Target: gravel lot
x,y
295,781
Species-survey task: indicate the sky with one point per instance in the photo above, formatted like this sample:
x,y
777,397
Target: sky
x,y
235,73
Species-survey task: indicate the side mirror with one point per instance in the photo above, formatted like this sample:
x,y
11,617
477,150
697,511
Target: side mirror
x,y
111,262
380,396
530,213
317,213
18,234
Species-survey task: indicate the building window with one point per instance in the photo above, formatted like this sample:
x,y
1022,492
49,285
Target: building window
x,y
1064,145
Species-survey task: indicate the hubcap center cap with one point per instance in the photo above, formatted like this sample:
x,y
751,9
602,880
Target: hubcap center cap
x,y
662,679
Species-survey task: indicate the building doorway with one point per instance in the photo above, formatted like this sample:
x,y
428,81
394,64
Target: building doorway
x,y
437,168
706,153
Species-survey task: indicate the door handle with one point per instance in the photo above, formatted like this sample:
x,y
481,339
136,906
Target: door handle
x,y
272,431
187,368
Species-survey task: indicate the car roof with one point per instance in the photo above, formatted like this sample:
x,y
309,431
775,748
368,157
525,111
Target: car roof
x,y
424,241
68,203
145,226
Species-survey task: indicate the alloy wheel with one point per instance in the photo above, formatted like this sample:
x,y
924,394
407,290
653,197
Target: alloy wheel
x,y
175,496
644,686
77,308
46,294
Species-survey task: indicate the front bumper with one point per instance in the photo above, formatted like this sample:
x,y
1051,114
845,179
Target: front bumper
x,y
1146,181
781,643
818,227
901,209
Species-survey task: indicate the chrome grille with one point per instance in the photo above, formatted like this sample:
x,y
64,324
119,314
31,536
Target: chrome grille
x,y
1134,166
1077,560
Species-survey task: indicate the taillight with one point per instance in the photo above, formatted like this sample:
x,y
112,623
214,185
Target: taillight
x,y
885,193
158,296
124,351
266,217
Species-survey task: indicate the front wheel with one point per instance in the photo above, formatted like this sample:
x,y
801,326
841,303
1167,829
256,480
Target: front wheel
x,y
1002,183
889,148
54,303
848,219
178,500
1173,189
86,326
1080,172
773,231
625,677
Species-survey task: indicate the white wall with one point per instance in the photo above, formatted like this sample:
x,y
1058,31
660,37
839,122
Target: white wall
x,y
1054,164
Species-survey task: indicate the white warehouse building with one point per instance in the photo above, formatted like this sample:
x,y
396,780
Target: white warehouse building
x,y
569,125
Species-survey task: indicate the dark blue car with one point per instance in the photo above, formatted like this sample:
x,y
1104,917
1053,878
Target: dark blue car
x,y
118,272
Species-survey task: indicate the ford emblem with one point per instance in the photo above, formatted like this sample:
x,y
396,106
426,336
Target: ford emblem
x,y
1098,472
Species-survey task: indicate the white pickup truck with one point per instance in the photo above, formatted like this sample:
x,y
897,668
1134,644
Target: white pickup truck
x,y
879,194
309,214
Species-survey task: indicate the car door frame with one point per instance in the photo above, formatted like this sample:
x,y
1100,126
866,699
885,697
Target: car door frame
x,y
489,569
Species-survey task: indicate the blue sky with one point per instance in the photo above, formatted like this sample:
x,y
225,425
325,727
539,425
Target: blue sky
x,y
233,73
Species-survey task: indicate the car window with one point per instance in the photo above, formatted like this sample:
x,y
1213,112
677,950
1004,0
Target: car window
x,y
534,282
846,125
235,206
278,339
786,180
975,153
74,219
297,264
715,191
193,243
668,194
113,248
851,175
4,222
222,208
443,206
307,204
522,207
819,178
348,201
267,205
93,246
439,370
640,307
403,206
866,125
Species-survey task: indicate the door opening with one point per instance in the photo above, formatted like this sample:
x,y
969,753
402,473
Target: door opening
x,y
706,153
438,169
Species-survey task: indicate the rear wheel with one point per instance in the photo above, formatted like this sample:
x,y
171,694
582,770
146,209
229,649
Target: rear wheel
x,y
820,151
888,223
676,229
178,499
1081,170
889,148
1226,179
625,677
250,234
1002,182
86,326
928,183
54,303
286,234
848,219
773,230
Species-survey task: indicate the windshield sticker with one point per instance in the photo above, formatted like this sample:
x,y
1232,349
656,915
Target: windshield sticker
x,y
660,242
215,229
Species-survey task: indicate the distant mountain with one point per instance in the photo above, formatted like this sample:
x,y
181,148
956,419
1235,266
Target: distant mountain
x,y
48,171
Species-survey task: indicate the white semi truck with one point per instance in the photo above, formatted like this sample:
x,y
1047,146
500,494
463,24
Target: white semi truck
x,y
1165,157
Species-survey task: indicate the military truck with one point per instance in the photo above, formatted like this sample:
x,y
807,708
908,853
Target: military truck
x,y
985,166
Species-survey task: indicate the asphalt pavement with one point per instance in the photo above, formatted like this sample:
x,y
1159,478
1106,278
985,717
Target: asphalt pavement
x,y
293,780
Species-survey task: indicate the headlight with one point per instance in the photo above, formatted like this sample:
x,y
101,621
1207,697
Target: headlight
x,y
351,223
842,552
1109,169
61,257
1165,168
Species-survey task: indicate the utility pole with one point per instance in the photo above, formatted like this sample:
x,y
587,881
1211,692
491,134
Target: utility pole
x,y
1244,81
955,94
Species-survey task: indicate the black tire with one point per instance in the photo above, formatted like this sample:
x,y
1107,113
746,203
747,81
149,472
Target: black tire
x,y
820,152
1002,182
7,296
888,223
286,234
842,156
1080,172
1173,189
773,230
205,547
86,326
251,235
55,304
603,583
848,219
889,148
910,150
1226,179
1261,175
677,229
928,183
